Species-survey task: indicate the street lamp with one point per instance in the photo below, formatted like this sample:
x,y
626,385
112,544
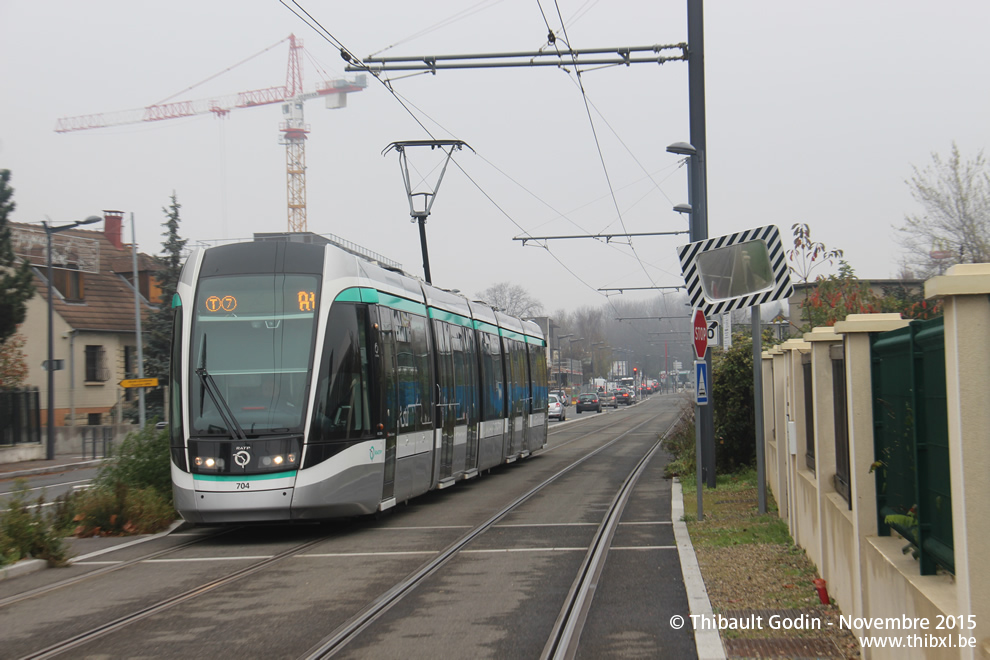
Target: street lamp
x,y
50,365
570,353
560,373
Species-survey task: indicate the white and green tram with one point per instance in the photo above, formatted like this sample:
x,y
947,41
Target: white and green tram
x,y
311,383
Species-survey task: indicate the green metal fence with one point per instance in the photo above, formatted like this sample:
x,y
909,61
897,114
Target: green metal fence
x,y
911,440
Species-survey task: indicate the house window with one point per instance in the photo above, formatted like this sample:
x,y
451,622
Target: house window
x,y
96,365
69,282
94,419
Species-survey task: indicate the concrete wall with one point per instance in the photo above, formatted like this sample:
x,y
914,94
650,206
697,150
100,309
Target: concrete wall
x,y
868,575
69,441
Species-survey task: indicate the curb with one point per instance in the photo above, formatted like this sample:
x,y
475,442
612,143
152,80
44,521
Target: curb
x,y
65,467
28,566
708,642
22,568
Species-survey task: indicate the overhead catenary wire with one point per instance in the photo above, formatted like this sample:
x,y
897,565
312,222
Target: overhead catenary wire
x,y
300,12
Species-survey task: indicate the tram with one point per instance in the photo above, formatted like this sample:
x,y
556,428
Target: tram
x,y
312,383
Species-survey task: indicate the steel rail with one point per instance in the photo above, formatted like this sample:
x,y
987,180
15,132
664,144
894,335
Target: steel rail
x,y
566,632
165,604
349,630
68,582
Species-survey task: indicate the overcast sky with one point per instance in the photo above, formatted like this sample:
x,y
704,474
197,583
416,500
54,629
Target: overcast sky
x,y
816,112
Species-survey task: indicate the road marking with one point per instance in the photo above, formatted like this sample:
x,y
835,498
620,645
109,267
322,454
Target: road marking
x,y
370,554
63,483
429,528
507,550
192,559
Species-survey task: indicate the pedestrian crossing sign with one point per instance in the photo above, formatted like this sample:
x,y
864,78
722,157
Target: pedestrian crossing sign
x,y
701,384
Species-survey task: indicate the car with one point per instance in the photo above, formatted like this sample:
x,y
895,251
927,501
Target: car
x,y
610,399
624,396
562,395
588,401
555,408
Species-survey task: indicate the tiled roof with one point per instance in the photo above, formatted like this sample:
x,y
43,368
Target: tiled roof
x,y
108,298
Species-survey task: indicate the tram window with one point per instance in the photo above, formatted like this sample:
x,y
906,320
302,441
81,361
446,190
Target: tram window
x,y
464,386
470,363
494,388
415,388
342,399
389,364
538,370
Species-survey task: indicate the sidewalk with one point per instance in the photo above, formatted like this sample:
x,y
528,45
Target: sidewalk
x,y
61,463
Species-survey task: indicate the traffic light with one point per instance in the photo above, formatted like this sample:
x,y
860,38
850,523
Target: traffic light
x,y
635,370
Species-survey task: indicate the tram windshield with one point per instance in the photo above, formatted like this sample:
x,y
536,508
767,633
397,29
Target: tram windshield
x,y
251,353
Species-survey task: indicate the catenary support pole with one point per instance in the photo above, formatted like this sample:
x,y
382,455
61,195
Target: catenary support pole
x,y
761,468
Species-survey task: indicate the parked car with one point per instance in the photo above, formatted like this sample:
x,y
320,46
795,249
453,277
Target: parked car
x,y
589,401
555,408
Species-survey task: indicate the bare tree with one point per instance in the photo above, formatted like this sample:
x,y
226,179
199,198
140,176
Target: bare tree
x,y
511,299
954,226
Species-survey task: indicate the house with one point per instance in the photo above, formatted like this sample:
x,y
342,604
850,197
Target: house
x,y
93,317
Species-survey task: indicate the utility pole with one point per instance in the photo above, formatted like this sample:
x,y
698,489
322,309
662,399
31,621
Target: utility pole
x,y
692,52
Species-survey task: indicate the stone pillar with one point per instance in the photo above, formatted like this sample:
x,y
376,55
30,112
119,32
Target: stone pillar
x,y
964,292
856,331
821,339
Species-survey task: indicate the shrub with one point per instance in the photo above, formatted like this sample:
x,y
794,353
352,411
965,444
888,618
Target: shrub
x,y
141,461
26,531
132,493
102,511
680,443
732,398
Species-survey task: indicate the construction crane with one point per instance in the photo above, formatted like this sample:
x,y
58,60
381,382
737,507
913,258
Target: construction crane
x,y
293,128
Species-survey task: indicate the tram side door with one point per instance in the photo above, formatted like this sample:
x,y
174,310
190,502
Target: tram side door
x,y
446,401
386,368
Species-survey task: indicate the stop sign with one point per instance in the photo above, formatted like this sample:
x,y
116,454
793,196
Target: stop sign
x,y
700,332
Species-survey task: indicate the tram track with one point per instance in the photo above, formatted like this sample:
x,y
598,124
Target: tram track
x,y
99,572
566,632
165,604
564,636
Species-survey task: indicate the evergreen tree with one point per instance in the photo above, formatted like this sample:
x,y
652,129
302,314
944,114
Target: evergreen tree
x,y
158,337
16,287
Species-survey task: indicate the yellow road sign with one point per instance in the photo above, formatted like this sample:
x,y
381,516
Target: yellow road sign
x,y
139,382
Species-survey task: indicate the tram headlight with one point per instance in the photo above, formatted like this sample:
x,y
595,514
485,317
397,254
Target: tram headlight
x,y
277,460
209,462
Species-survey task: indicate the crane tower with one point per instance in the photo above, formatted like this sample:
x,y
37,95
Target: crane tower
x,y
293,128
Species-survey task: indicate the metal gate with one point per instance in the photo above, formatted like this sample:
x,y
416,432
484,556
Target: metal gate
x,y
911,440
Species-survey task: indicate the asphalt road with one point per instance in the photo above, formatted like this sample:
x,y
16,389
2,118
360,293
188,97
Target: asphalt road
x,y
498,598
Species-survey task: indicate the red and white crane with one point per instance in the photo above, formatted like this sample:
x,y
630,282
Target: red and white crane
x,y
293,128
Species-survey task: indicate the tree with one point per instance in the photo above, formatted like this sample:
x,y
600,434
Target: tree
x,y
511,299
16,286
806,256
954,225
837,296
159,333
13,364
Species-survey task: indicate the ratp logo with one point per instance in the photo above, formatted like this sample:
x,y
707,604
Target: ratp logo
x,y
373,452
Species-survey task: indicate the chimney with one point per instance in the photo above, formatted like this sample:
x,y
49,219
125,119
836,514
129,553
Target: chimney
x,y
113,227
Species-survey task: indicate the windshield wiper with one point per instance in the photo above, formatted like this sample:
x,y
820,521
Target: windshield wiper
x,y
210,386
